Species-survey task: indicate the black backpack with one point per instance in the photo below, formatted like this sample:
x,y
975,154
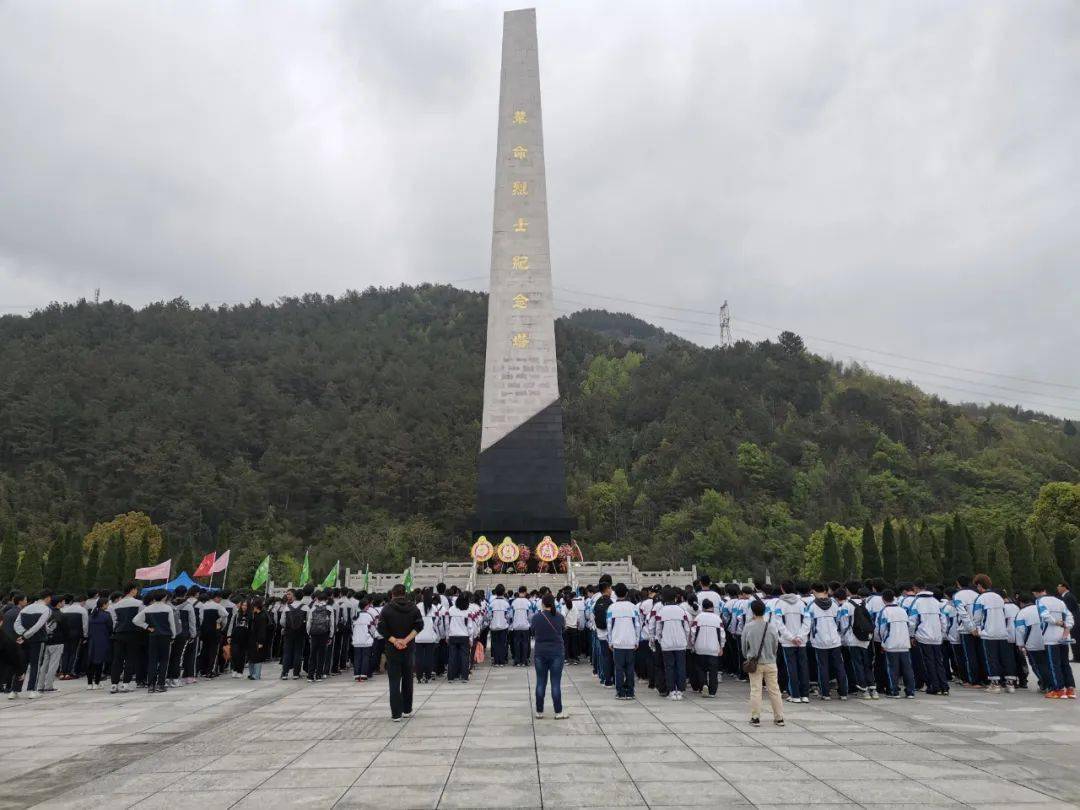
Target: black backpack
x,y
862,625
294,619
320,620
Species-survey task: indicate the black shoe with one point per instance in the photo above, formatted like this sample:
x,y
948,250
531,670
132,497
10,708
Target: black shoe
x,y
755,721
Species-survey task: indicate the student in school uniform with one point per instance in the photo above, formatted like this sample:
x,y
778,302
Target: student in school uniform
x,y
459,633
823,615
362,640
31,632
623,634
896,643
605,661
521,610
158,620
320,631
1029,640
500,625
74,624
990,626
707,641
427,640
857,649
1056,623
971,663
793,624
54,647
568,609
185,632
293,620
929,625
672,636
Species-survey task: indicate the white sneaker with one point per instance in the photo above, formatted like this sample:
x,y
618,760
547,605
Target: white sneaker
x,y
673,696
1009,688
114,689
993,689
90,687
539,715
32,694
793,700
406,715
561,715
12,695
804,700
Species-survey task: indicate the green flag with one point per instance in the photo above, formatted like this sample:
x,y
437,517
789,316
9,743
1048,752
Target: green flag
x,y
408,579
331,578
367,578
262,573
305,572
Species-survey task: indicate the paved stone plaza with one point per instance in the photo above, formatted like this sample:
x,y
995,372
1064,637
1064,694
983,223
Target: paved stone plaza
x,y
271,744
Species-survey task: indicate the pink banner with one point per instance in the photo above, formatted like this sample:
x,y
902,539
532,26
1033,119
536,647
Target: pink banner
x,y
221,564
159,571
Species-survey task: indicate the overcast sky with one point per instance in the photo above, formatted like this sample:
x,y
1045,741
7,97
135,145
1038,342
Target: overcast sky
x,y
902,177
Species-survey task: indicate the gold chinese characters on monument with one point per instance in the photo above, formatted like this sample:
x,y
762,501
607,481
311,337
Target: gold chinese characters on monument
x,y
519,262
520,152
520,117
521,301
522,225
520,340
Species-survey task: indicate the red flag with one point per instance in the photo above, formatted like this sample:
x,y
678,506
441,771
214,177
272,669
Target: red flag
x,y
206,566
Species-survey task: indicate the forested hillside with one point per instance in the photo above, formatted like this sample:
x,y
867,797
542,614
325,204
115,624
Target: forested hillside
x,y
352,425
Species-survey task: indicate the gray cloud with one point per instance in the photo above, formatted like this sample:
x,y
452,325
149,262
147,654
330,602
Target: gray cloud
x,y
896,176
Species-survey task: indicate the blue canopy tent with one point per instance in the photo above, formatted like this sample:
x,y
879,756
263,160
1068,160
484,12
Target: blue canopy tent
x,y
181,580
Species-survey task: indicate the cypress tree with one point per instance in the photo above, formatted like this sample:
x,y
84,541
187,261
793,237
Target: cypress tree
x,y
54,560
999,567
1063,553
1046,566
183,559
849,560
927,567
93,561
830,556
961,556
111,574
9,559
948,567
144,553
888,552
1021,557
871,554
907,562
73,572
29,578
937,556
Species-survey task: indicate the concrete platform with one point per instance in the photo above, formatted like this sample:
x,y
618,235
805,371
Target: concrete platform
x,y
245,744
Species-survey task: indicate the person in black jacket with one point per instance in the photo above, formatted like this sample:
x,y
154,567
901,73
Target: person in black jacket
x,y
258,639
158,621
126,661
399,622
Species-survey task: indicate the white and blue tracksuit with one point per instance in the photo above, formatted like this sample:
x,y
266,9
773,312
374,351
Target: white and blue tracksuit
x,y
896,642
825,638
929,625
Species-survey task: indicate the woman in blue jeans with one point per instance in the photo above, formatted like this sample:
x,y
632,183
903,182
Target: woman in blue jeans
x,y
548,655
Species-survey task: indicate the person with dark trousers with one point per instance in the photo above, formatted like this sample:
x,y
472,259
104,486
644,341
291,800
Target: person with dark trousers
x,y
500,625
293,621
212,620
125,635
158,621
31,633
185,627
320,630
259,638
1066,595
399,623
549,657
605,659
11,678
74,625
98,643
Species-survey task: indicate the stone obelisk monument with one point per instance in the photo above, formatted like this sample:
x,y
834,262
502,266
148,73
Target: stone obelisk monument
x,y
521,487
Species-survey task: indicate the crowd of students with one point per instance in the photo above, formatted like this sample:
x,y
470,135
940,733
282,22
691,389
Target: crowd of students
x,y
856,638
849,639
